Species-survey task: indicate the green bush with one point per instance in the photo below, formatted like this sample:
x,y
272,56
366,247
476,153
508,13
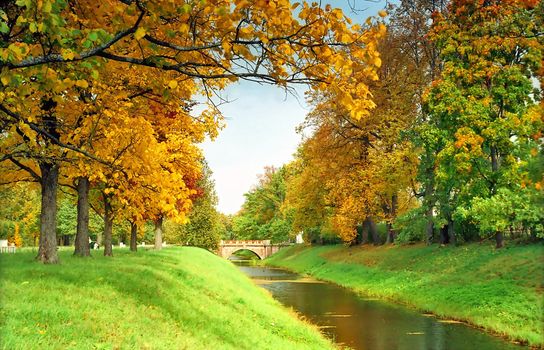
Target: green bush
x,y
522,209
411,226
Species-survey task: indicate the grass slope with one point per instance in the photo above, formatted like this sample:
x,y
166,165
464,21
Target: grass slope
x,y
177,298
499,290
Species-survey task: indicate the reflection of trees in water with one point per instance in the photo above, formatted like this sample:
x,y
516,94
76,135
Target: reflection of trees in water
x,y
369,324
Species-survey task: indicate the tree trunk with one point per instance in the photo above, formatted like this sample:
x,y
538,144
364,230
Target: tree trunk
x,y
47,251
99,238
429,203
133,236
494,168
374,231
390,238
82,234
451,232
158,233
364,234
499,239
494,159
108,226
429,228
391,234
444,235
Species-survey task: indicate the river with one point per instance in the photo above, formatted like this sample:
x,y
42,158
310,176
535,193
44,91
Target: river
x,y
366,324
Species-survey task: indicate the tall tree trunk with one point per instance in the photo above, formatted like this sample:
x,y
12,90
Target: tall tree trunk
x,y
391,234
357,239
451,231
494,169
133,236
108,227
444,239
158,233
82,233
47,251
99,238
374,231
429,227
364,234
494,159
499,239
429,203
389,238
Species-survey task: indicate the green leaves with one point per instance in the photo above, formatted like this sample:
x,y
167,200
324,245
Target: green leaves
x,y
265,211
482,103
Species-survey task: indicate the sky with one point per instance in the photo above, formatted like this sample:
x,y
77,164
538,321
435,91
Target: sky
x,y
260,128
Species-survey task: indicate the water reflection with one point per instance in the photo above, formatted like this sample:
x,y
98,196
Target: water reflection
x,y
366,324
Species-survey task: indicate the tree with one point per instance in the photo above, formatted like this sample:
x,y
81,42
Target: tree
x,y
409,24
203,226
19,212
225,226
481,102
57,47
263,214
365,167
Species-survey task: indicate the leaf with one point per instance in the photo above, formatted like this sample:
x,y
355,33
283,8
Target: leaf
x,y
67,54
4,27
46,7
140,33
173,84
82,84
93,36
33,27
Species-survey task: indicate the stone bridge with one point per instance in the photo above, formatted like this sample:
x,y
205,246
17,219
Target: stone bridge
x,y
262,248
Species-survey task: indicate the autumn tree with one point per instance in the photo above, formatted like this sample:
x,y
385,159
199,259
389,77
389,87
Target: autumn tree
x,y
409,25
306,192
491,51
202,227
19,212
366,167
55,46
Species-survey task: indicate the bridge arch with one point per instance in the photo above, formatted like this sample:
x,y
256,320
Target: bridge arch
x,y
235,250
262,248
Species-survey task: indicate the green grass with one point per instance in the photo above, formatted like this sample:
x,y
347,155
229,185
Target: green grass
x,y
177,298
499,290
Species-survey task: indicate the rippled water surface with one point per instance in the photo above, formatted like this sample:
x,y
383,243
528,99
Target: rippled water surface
x,y
367,324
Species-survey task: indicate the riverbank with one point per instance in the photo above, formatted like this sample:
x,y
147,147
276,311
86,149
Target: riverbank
x,y
500,291
177,298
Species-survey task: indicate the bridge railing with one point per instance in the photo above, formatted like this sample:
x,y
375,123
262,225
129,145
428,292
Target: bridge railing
x,y
245,242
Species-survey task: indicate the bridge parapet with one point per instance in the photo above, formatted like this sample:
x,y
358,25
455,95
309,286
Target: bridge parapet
x,y
262,248
244,242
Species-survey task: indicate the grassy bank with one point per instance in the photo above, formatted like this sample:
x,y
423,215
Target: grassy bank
x,y
178,298
499,290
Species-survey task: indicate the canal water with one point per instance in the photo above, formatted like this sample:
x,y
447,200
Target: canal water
x,y
366,324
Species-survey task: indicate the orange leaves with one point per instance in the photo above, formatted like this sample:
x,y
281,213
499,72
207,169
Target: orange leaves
x,y
468,140
127,102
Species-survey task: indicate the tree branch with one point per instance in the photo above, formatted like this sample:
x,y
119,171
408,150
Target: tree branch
x,y
52,58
